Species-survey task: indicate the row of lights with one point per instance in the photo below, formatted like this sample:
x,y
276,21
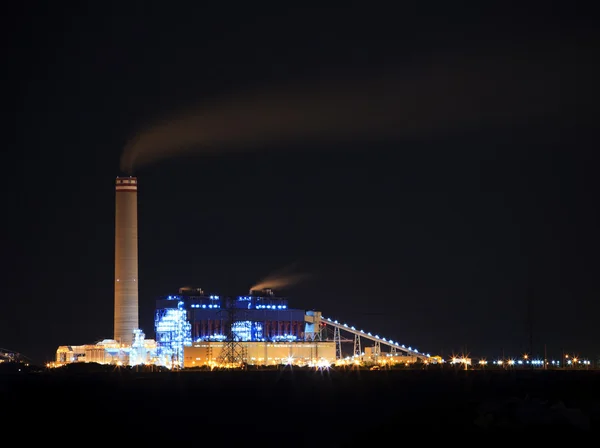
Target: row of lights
x,y
535,362
285,337
258,307
390,342
179,297
221,337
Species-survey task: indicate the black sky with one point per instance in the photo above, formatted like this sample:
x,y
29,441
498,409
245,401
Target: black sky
x,y
436,240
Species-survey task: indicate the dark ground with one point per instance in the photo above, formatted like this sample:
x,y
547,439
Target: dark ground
x,y
301,407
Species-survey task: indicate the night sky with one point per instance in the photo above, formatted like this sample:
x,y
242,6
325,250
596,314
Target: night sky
x,y
437,238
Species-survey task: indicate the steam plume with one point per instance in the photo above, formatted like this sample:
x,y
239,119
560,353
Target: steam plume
x,y
281,279
441,96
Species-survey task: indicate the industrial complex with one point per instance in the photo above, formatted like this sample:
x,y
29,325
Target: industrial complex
x,y
198,330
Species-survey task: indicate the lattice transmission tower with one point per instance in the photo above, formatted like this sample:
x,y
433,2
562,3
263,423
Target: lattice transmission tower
x,y
234,353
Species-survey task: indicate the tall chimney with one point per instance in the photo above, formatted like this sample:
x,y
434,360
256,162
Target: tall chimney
x,y
126,260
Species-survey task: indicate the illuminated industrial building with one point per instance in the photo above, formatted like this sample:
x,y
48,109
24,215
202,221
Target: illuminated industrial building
x,y
194,329
109,351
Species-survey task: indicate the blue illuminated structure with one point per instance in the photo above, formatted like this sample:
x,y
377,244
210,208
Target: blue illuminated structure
x,y
172,334
260,316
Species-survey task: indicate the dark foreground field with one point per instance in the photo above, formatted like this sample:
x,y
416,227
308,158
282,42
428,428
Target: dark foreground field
x,y
301,407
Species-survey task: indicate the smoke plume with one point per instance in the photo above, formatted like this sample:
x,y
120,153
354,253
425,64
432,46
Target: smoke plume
x,y
281,279
437,97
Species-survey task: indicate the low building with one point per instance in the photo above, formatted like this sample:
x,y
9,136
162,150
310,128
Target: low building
x,y
300,353
109,351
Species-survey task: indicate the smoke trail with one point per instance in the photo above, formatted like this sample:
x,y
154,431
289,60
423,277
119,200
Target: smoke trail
x,y
281,279
452,94
279,282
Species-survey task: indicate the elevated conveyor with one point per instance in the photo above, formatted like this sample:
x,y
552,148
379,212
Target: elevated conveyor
x,y
375,338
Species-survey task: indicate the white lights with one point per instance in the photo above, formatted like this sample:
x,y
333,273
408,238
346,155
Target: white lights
x,y
322,364
173,332
271,307
376,338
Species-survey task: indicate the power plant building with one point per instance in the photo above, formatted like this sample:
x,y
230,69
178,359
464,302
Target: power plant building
x,y
197,330
109,351
193,329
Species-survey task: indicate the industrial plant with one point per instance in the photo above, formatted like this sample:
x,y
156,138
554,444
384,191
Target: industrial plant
x,y
198,330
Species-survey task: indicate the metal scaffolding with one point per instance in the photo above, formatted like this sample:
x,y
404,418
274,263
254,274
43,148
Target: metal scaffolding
x,y
338,343
357,348
173,332
377,349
